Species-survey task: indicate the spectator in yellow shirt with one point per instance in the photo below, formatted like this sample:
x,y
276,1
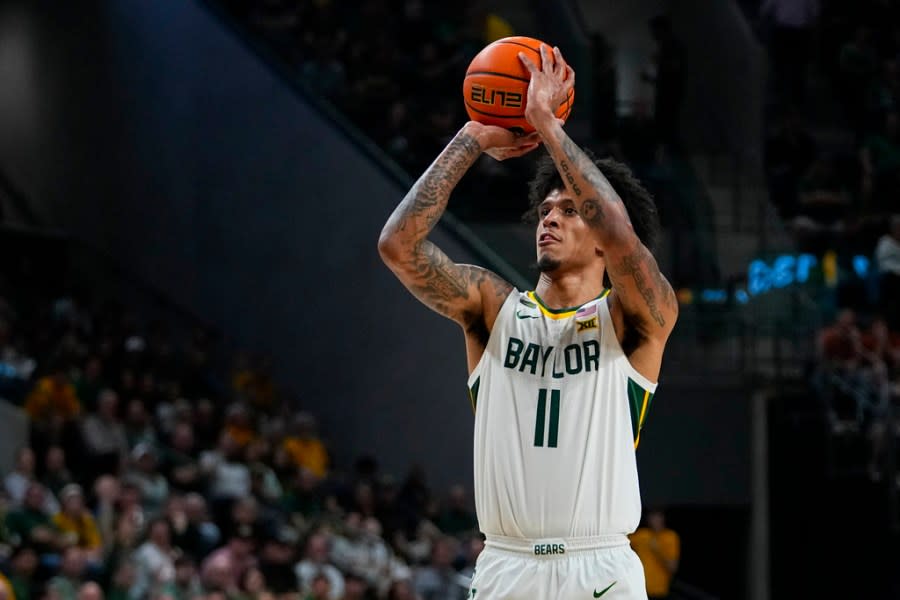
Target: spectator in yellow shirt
x,y
6,591
53,397
76,524
254,384
304,447
239,425
659,549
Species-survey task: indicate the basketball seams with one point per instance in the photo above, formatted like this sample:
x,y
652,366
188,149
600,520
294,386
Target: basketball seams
x,y
496,116
498,74
501,42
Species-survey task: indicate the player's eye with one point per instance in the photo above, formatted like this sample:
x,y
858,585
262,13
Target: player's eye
x,y
544,211
571,211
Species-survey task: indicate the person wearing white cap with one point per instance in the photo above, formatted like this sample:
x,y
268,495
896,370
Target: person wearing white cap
x,y
146,476
76,523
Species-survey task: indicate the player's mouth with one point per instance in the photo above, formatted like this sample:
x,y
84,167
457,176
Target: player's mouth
x,y
546,239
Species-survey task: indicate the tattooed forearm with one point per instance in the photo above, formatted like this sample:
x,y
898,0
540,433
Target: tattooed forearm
x,y
450,289
570,178
585,170
593,193
426,201
645,294
592,212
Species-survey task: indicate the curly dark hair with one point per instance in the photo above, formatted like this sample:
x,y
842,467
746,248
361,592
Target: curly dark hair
x,y
637,200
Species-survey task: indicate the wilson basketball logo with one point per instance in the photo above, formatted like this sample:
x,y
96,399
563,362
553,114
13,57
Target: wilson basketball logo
x,y
493,97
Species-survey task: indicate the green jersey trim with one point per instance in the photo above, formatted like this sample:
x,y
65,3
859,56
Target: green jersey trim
x,y
639,401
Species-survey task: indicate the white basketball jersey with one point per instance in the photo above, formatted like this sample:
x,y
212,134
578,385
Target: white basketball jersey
x,y
558,412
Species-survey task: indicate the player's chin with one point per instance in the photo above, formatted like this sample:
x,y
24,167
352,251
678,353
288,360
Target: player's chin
x,y
547,263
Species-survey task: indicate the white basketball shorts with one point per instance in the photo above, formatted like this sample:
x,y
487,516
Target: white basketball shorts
x,y
558,569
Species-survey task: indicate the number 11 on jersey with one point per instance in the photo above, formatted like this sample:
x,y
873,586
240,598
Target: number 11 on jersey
x,y
539,423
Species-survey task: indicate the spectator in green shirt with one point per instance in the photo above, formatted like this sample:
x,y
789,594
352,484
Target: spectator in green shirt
x,y
23,564
457,518
30,524
65,585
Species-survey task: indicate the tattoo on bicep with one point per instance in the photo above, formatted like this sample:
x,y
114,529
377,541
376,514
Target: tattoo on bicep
x,y
633,265
500,286
437,280
665,290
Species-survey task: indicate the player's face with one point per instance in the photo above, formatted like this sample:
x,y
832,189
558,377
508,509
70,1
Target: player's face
x,y
563,238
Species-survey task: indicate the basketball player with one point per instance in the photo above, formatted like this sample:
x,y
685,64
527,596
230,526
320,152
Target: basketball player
x,y
560,377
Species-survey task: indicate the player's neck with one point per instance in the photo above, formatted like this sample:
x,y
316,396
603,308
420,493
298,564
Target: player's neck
x,y
564,290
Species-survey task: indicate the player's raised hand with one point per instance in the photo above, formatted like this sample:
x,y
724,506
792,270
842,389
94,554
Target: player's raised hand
x,y
500,143
550,84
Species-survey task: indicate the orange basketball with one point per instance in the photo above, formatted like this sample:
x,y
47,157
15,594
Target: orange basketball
x,y
496,85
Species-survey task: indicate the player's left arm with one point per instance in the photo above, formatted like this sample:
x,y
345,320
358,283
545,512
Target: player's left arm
x,y
646,297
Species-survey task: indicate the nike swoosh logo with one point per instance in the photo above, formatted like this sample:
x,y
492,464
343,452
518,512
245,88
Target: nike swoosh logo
x,y
606,589
521,316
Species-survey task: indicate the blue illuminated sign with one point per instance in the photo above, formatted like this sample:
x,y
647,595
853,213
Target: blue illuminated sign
x,y
782,271
785,270
861,266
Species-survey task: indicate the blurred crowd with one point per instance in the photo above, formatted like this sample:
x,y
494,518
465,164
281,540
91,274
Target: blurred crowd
x,y
832,161
399,82
832,153
857,377
152,473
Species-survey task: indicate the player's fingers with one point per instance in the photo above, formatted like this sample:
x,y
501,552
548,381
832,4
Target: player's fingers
x,y
525,140
502,153
532,68
560,66
546,65
570,78
523,150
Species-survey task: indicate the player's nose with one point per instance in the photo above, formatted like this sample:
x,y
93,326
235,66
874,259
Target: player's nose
x,y
550,219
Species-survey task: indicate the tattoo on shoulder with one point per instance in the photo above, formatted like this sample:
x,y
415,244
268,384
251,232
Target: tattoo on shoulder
x,y
501,287
494,291
481,278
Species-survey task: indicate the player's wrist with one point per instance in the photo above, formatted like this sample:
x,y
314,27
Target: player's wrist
x,y
476,131
541,119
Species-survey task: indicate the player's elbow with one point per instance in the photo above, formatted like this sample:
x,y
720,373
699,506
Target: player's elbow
x,y
619,237
389,247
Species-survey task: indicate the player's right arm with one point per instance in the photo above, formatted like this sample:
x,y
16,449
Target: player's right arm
x,y
465,293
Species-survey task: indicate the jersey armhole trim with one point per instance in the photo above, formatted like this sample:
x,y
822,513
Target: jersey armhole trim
x,y
621,361
476,372
625,368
